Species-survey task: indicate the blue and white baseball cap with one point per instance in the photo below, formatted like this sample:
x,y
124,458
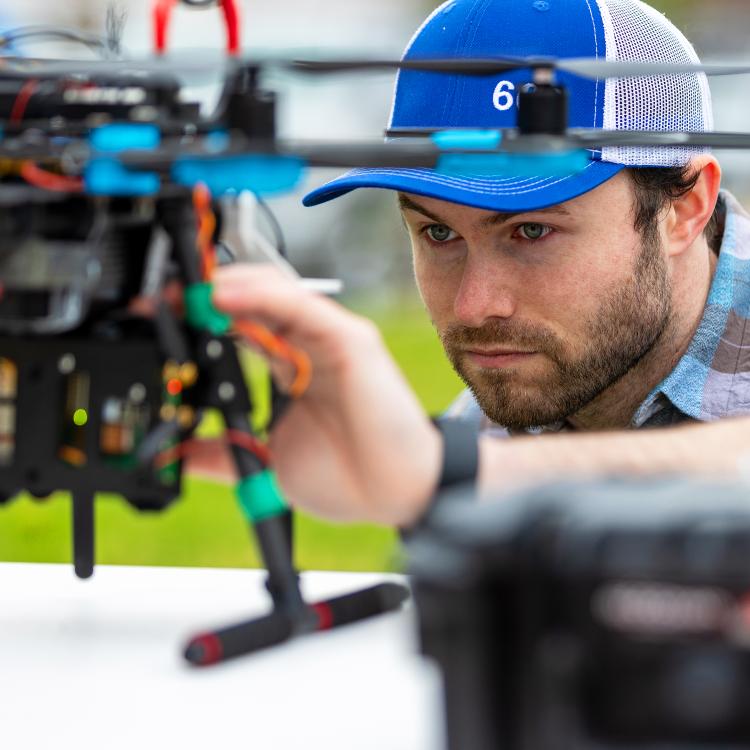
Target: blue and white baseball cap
x,y
617,30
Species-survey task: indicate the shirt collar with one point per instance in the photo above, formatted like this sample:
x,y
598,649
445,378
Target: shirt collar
x,y
712,379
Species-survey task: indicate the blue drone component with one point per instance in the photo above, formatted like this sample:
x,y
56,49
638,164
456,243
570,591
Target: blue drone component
x,y
479,140
263,174
122,136
504,164
501,163
106,175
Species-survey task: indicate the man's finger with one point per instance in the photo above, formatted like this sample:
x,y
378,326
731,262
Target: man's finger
x,y
263,292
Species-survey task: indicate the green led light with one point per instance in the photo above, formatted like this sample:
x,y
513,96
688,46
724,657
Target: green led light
x,y
80,417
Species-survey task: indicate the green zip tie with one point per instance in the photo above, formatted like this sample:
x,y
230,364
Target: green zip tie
x,y
200,311
260,497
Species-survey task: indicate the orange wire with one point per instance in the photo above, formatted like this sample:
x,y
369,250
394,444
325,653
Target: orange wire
x,y
72,455
206,227
278,347
269,342
41,178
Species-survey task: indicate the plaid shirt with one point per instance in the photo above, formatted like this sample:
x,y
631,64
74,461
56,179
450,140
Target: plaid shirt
x,y
712,380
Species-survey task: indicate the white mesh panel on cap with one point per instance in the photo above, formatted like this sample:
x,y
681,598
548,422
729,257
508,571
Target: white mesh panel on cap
x,y
636,32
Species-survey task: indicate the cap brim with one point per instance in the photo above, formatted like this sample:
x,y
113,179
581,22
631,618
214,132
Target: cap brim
x,y
506,194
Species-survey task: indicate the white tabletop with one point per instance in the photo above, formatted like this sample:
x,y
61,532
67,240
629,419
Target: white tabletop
x,y
97,664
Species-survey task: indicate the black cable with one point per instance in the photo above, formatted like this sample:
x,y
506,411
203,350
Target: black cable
x,y
278,232
280,402
200,3
152,443
115,21
92,41
224,253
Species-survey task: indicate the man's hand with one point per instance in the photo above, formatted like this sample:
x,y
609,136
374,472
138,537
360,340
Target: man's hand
x,y
357,445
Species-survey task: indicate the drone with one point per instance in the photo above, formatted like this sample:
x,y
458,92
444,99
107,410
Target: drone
x,y
113,187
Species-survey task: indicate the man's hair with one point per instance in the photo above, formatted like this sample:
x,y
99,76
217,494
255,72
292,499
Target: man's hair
x,y
655,188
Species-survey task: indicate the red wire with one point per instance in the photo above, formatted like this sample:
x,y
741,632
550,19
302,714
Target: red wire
x,y
22,101
161,11
175,453
234,437
41,178
232,20
250,444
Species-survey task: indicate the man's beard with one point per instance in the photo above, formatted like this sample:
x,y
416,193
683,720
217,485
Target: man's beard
x,y
619,335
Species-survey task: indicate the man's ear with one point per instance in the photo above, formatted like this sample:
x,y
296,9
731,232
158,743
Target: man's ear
x,y
688,215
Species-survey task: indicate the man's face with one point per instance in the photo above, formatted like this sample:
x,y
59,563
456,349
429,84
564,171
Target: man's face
x,y
540,312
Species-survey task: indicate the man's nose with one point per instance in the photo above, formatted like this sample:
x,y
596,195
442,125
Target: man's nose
x,y
484,293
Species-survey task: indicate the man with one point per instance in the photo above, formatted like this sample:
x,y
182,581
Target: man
x,y
611,298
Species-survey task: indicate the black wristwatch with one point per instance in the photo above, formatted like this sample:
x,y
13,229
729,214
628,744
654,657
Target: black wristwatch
x,y
460,462
460,451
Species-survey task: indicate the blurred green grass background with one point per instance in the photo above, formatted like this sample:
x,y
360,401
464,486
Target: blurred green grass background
x,y
204,528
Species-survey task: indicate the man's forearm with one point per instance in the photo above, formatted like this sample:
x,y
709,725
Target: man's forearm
x,y
718,450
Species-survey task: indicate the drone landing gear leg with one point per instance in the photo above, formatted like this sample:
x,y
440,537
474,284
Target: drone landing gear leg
x,y
269,517
272,526
265,509
262,504
286,522
279,404
222,385
83,533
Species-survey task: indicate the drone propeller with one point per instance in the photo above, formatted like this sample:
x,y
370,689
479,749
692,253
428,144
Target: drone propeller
x,y
473,67
584,67
596,139
590,138
592,68
168,65
424,152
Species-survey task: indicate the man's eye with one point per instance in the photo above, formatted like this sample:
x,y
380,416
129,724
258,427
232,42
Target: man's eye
x,y
440,233
533,231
